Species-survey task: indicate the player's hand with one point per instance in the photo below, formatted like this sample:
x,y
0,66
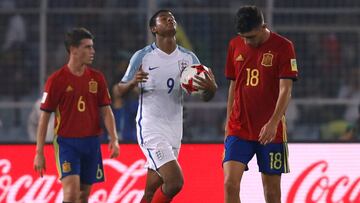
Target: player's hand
x,y
114,148
39,164
140,76
268,133
208,84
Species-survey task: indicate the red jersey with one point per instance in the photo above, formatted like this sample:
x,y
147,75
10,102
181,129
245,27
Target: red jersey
x,y
257,73
76,101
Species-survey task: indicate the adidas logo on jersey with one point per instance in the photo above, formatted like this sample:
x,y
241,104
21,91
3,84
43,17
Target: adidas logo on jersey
x,y
240,58
69,88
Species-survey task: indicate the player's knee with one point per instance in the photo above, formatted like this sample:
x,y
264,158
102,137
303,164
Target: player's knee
x,y
272,195
84,196
71,196
174,187
231,186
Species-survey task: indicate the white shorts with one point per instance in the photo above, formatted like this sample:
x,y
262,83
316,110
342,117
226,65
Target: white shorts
x,y
159,154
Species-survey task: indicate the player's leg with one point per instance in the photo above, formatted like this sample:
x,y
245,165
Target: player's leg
x,y
153,182
71,188
173,181
271,185
273,161
91,166
162,159
68,165
85,190
233,171
237,155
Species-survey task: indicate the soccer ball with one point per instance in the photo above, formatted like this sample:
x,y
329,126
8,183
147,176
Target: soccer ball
x,y
188,74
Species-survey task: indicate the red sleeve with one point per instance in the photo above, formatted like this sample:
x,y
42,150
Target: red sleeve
x,y
51,95
287,65
229,66
104,95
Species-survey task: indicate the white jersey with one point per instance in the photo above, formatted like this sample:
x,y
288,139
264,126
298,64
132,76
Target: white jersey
x,y
160,111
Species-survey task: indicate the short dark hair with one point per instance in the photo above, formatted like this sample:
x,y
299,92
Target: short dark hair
x,y
248,18
74,37
152,21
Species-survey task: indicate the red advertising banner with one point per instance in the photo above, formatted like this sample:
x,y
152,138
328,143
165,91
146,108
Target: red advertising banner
x,y
328,173
125,176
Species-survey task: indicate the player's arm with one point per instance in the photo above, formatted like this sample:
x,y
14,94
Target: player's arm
x,y
123,88
230,103
208,84
268,131
133,75
109,122
39,160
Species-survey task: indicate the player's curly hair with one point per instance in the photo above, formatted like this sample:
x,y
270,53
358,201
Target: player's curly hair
x,y
74,37
152,21
247,18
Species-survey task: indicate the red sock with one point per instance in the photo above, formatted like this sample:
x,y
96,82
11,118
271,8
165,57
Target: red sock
x,y
160,197
143,200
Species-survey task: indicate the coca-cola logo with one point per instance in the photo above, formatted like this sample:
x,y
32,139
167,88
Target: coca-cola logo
x,y
321,188
29,189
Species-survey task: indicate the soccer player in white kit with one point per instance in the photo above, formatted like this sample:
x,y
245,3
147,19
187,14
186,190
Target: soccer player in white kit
x,y
156,70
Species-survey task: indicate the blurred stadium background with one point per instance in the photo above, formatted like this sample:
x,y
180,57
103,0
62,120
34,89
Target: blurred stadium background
x,y
326,34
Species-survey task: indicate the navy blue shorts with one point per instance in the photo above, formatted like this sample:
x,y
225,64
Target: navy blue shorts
x,y
79,156
271,158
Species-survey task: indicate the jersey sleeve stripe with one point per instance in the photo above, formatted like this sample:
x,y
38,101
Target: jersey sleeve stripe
x,y
47,110
135,63
291,78
229,78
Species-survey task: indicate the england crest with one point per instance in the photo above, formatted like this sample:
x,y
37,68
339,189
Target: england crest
x,y
183,64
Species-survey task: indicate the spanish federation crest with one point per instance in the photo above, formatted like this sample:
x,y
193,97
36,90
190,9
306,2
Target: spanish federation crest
x,y
66,167
183,64
93,86
267,59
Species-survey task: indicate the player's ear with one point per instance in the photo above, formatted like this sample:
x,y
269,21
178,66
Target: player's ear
x,y
153,29
73,50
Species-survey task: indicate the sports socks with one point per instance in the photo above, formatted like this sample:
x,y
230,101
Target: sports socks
x,y
160,197
143,200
